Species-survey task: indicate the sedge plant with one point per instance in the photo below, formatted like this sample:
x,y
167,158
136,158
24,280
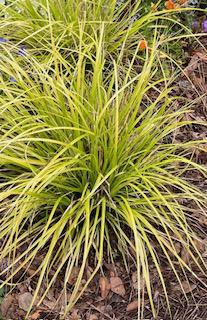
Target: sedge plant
x,y
46,25
86,157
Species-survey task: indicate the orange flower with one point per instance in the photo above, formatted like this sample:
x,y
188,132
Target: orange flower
x,y
153,7
142,44
169,5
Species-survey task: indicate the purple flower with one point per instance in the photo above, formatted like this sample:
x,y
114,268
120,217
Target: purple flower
x,y
12,79
204,26
22,51
195,25
3,40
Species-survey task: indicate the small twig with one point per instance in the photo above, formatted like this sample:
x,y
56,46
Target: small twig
x,y
97,309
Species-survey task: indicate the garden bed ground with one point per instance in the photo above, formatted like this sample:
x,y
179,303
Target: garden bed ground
x,y
112,293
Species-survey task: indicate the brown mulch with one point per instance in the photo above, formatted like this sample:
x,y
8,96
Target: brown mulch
x,y
113,293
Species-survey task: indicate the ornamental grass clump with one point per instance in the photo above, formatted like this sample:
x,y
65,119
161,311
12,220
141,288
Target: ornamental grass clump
x,y
87,157
46,26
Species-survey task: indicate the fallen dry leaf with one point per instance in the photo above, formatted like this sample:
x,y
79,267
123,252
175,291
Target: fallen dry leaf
x,y
201,55
104,287
186,287
192,66
132,306
74,315
181,2
185,255
204,255
31,271
93,317
89,272
3,264
74,275
51,294
203,220
22,287
135,284
157,294
35,315
105,309
49,303
200,245
62,300
177,247
112,273
117,286
6,303
24,300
